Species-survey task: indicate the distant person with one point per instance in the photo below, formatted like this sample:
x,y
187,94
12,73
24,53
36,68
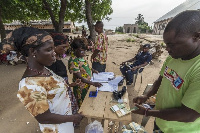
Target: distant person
x,y
42,92
99,55
3,56
140,60
177,108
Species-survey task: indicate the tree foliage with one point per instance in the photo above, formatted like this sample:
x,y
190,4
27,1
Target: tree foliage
x,y
119,29
96,10
143,26
56,10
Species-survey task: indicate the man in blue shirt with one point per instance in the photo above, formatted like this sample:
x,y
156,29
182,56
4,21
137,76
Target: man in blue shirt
x,y
140,60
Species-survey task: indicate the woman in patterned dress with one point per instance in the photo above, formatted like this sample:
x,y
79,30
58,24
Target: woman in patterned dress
x,y
43,93
78,65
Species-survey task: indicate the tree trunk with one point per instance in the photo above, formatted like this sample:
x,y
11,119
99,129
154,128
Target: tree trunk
x,y
62,15
90,20
54,22
2,28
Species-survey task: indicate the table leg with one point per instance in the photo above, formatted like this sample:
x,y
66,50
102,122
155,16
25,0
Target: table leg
x,y
105,129
115,127
89,120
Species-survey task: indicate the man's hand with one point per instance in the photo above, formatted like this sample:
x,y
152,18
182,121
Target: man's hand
x,y
134,68
123,63
140,99
141,110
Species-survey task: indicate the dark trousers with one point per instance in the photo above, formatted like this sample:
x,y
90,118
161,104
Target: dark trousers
x,y
125,70
99,67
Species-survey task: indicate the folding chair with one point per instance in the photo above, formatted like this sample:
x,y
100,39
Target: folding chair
x,y
135,75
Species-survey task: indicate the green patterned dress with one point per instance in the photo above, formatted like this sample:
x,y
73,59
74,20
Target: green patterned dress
x,y
76,65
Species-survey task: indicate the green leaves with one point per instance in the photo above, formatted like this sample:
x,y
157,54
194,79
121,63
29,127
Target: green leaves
x,y
143,26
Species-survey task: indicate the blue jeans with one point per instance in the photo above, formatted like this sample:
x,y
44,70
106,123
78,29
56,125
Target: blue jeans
x,y
129,73
99,67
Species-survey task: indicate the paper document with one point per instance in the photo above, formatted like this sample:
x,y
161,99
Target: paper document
x,y
111,85
102,77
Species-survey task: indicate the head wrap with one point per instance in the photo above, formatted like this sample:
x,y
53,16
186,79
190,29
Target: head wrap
x,y
24,38
59,38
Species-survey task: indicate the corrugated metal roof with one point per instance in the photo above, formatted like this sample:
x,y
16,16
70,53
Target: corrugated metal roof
x,y
187,5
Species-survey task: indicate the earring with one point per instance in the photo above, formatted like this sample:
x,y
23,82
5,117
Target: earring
x,y
33,56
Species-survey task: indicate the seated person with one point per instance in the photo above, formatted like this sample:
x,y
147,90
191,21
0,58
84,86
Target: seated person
x,y
3,56
11,58
141,59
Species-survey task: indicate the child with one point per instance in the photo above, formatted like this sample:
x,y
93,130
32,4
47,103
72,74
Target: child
x,y
81,70
99,55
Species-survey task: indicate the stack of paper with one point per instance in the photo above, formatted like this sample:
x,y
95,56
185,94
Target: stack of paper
x,y
102,77
121,109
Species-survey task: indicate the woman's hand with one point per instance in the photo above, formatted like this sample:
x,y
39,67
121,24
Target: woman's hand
x,y
76,83
77,118
140,99
97,84
94,71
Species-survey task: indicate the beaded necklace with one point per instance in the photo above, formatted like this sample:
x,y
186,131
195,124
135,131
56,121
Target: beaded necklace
x,y
36,71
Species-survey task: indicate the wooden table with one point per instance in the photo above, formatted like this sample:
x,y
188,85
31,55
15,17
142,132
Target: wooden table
x,y
99,108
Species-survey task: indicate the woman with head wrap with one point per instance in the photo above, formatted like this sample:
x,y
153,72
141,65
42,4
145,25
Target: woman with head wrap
x,y
60,47
43,93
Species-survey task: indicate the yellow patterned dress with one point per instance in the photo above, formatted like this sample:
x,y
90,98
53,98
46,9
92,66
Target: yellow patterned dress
x,y
39,94
76,65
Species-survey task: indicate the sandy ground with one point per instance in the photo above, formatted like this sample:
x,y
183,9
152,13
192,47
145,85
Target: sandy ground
x,y
14,118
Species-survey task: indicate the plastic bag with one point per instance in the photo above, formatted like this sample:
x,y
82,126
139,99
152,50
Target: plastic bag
x,y
94,127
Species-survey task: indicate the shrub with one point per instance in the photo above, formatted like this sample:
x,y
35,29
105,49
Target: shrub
x,y
128,40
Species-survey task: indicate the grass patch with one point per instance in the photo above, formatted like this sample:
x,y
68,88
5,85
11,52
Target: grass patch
x,y
128,40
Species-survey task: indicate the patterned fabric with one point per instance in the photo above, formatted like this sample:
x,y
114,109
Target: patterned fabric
x,y
39,94
101,44
76,65
3,57
73,100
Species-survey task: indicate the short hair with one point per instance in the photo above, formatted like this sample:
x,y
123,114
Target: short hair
x,y
99,24
78,43
59,38
185,23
